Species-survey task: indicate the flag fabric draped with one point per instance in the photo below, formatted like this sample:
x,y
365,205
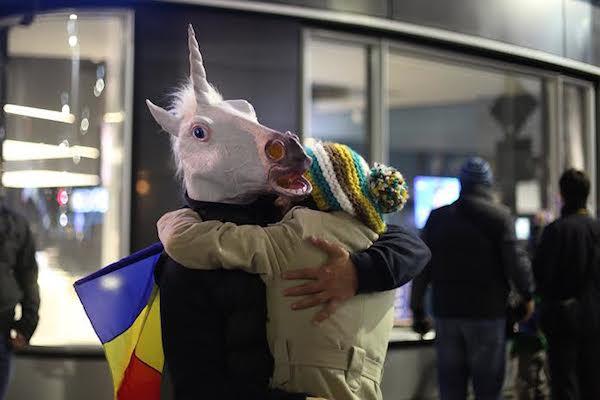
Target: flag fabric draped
x,y
122,302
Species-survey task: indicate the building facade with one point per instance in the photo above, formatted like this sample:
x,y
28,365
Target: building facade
x,y
420,85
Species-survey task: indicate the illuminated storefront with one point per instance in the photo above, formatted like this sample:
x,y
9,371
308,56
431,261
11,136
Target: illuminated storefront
x,y
65,154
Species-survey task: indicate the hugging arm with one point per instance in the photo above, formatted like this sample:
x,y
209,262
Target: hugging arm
x,y
397,257
394,259
214,244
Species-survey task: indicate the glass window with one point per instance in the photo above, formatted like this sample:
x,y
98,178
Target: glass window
x,y
64,154
337,77
577,148
575,132
440,113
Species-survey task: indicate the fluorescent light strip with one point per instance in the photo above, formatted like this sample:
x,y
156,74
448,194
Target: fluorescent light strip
x,y
16,150
47,179
114,117
40,113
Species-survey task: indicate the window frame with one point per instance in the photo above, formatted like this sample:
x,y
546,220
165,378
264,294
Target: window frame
x,y
378,135
379,50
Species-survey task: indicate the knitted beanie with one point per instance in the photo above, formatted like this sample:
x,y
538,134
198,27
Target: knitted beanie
x,y
476,171
342,180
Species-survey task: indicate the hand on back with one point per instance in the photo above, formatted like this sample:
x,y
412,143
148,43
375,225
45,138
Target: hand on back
x,y
331,284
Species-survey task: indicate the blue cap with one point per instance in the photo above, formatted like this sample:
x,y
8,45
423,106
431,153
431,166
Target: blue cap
x,y
476,171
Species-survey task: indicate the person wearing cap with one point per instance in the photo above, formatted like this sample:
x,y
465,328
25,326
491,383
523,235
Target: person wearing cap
x,y
475,259
341,357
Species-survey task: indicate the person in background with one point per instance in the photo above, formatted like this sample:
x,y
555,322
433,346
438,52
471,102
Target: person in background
x,y
18,285
529,345
474,260
567,270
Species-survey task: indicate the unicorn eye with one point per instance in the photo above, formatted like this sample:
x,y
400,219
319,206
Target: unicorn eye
x,y
199,132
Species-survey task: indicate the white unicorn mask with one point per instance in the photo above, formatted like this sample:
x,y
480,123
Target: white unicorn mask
x,y
222,152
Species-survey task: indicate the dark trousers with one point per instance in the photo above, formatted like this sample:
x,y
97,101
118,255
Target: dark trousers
x,y
574,363
5,365
470,348
573,351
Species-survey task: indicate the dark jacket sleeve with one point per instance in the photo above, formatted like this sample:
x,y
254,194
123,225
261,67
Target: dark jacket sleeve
x,y
421,282
418,291
545,259
397,257
26,274
516,263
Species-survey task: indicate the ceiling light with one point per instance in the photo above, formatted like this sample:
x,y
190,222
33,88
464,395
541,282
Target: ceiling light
x,y
114,117
47,179
40,113
16,150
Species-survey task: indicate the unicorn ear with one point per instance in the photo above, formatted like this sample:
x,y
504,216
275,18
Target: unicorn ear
x,y
244,107
165,119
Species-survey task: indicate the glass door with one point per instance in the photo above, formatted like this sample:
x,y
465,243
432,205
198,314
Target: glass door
x,y
65,156
577,133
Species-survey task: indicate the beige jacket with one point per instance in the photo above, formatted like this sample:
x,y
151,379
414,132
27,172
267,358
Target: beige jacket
x,y
341,358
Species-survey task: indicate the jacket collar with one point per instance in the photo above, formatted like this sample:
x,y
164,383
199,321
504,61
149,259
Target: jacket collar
x,y
477,192
572,210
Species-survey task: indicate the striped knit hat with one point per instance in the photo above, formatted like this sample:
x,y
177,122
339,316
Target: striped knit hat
x,y
342,180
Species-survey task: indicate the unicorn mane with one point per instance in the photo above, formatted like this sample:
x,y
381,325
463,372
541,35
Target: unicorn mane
x,y
183,104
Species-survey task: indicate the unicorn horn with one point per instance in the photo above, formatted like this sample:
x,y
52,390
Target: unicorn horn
x,y
197,72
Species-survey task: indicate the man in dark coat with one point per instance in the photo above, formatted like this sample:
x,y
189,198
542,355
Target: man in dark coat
x,y
474,260
18,285
567,273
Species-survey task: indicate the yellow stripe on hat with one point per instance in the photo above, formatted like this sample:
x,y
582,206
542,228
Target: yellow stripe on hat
x,y
317,193
331,178
374,218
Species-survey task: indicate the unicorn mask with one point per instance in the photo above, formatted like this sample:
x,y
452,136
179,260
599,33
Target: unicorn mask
x,y
221,151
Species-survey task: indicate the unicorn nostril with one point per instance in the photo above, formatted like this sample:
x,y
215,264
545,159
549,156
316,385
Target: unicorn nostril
x,y
308,162
293,135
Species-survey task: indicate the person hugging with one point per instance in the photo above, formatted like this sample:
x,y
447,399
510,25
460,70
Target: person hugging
x,y
343,356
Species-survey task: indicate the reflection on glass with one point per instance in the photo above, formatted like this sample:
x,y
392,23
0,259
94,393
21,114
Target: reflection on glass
x,y
62,158
338,104
575,131
441,113
432,192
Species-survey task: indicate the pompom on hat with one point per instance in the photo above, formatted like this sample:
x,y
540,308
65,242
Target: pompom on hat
x,y
388,188
343,181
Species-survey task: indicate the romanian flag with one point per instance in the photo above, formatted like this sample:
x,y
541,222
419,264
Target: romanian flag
x,y
123,304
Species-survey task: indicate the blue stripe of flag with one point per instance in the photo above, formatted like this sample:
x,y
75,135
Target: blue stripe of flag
x,y
114,296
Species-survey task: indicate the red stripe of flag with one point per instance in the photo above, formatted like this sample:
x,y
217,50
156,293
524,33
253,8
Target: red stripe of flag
x,y
141,382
